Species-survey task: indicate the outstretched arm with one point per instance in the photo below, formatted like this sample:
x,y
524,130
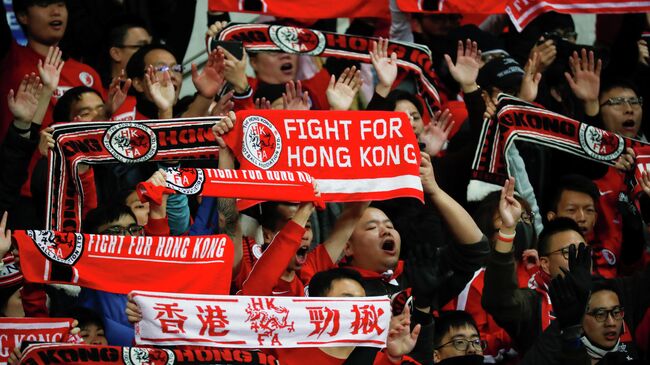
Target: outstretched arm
x,y
460,223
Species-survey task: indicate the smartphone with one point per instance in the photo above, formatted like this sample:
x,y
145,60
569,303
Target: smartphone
x,y
235,48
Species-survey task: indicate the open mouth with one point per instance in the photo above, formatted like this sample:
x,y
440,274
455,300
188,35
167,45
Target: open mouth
x,y
388,246
301,255
286,67
611,335
56,23
629,124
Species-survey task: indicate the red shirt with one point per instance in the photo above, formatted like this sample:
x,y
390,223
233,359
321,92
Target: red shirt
x,y
316,356
21,61
127,111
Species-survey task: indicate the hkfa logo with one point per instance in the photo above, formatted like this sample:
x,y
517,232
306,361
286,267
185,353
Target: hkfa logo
x,y
609,256
266,318
297,40
147,356
62,247
262,143
599,144
86,78
188,181
131,142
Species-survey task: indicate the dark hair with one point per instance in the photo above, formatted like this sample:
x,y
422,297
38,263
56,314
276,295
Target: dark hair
x,y
5,293
573,182
608,85
396,95
321,283
600,284
488,207
557,225
105,214
270,217
21,6
448,320
120,28
135,67
86,316
61,112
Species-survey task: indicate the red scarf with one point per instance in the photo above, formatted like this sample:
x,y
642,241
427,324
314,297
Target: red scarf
x,y
308,9
387,276
522,12
263,37
452,6
119,264
539,282
247,184
13,331
354,156
519,120
110,142
44,354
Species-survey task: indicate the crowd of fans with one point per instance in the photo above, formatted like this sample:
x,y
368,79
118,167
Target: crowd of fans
x,y
548,275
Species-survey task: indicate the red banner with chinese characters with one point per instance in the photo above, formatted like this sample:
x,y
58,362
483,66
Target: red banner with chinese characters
x,y
305,9
522,12
452,6
258,322
354,156
46,354
13,331
642,161
119,264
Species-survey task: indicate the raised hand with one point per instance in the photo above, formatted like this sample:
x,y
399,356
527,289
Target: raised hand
x,y
133,313
427,177
401,340
644,54
235,70
547,52
627,161
50,70
263,104
224,126
24,102
160,90
468,61
531,79
216,28
5,236
509,207
340,93
294,98
224,105
385,65
436,134
209,81
46,141
585,82
116,93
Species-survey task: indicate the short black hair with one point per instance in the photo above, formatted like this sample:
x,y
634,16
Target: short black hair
x,y
557,225
105,214
86,316
600,284
614,83
396,95
448,320
61,112
270,217
135,67
321,283
573,182
120,27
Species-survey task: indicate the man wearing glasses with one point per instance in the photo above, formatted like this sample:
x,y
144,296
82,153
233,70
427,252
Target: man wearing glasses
x,y
456,339
621,109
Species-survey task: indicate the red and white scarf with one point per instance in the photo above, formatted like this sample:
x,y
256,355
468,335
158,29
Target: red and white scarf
x,y
539,282
258,322
522,12
519,120
308,9
245,184
45,354
13,331
354,156
110,142
119,264
263,37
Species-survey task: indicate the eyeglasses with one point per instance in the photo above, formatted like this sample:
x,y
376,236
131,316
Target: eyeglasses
x,y
132,230
175,68
462,344
619,103
567,36
564,250
527,217
600,315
